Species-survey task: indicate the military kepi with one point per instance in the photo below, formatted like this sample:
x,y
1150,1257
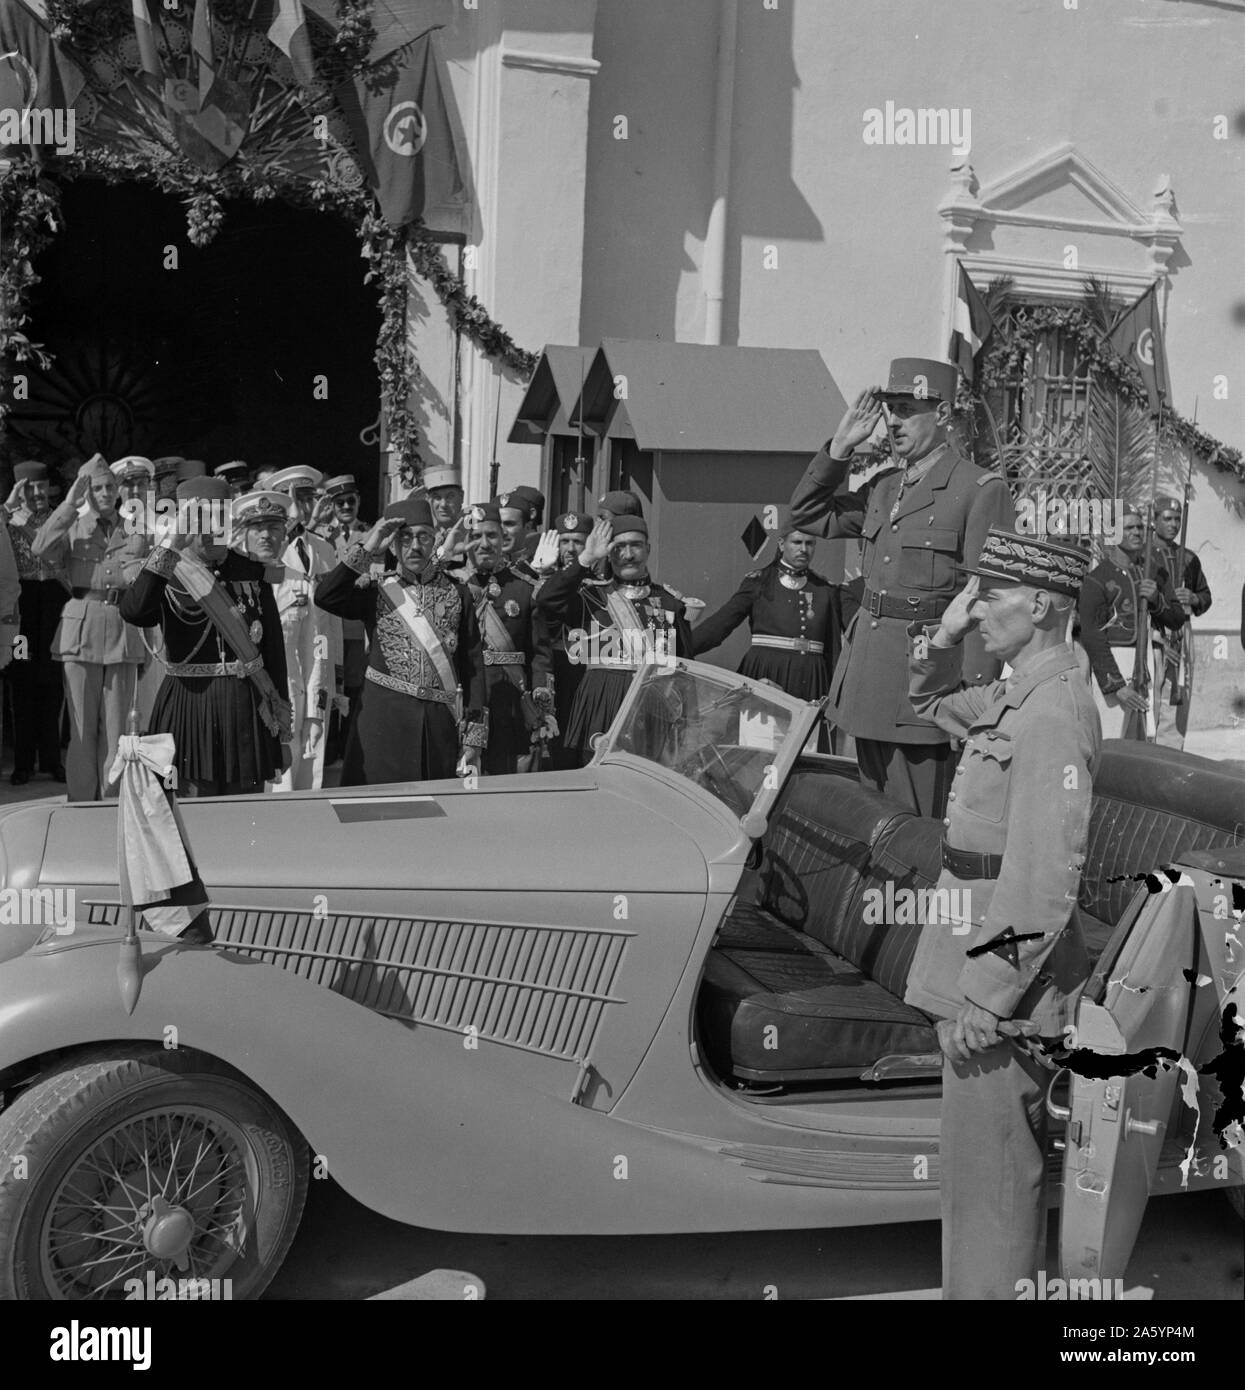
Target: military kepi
x,y
1011,559
921,379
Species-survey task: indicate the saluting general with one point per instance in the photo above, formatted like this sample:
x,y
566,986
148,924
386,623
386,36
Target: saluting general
x,y
422,709
919,523
1012,963
615,625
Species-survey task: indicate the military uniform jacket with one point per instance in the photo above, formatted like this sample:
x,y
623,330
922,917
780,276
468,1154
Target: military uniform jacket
x,y
1023,790
94,556
510,597
341,538
1193,577
1107,609
575,598
773,610
311,662
911,560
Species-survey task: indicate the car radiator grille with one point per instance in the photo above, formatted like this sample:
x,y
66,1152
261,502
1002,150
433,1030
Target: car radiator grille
x,y
543,989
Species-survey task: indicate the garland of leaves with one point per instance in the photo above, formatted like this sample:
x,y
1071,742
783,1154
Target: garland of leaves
x,y
1018,335
30,206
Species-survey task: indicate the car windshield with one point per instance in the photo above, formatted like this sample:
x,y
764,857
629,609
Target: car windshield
x,y
707,725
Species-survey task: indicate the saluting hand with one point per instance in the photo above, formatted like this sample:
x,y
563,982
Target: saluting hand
x,y
545,558
17,498
955,618
382,533
858,423
598,546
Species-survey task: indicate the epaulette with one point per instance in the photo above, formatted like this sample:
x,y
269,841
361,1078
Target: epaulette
x,y
988,477
670,589
599,583
274,574
754,574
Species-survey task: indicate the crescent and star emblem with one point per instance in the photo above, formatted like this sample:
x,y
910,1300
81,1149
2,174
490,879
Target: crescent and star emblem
x,y
405,128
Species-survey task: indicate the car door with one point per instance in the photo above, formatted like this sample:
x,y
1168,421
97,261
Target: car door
x,y
1130,1031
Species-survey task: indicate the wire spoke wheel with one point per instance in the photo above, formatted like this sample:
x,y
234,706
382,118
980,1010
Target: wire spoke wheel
x,y
146,1173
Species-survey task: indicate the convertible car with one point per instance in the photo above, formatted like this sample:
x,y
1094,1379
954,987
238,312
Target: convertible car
x,y
652,995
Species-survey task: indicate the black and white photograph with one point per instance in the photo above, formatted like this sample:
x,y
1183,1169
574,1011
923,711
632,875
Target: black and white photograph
x,y
622,662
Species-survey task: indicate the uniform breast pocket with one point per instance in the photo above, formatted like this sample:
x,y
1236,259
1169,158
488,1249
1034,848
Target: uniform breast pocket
x,y
928,559
987,763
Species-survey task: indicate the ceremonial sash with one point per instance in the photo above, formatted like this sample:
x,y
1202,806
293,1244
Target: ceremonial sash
x,y
427,637
626,618
202,586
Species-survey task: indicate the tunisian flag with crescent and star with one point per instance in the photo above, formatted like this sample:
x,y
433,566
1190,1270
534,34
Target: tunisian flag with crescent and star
x,y
1137,336
405,138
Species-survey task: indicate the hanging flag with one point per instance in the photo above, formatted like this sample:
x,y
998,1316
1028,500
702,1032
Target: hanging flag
x,y
402,124
146,37
288,32
38,82
971,326
1137,336
201,43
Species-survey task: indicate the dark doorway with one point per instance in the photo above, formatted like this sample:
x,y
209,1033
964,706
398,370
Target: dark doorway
x,y
215,359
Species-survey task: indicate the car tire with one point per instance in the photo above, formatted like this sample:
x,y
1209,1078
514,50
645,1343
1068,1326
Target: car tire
x,y
128,1169
1236,1200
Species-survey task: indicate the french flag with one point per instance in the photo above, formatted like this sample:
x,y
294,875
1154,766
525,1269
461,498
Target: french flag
x,y
146,37
288,32
971,326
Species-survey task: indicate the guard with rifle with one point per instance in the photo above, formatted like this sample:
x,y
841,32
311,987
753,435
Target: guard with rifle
x,y
1173,657
1125,597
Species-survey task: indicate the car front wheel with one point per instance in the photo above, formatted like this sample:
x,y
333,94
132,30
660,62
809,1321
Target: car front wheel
x,y
138,1173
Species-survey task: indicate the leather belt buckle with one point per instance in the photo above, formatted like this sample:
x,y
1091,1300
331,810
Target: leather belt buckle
x,y
801,644
873,603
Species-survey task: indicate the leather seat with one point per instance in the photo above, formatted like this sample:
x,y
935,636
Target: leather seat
x,y
801,986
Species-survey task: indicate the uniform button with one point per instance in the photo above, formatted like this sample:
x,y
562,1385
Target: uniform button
x,y
894,528
1063,677
946,820
874,623
959,772
950,796
886,559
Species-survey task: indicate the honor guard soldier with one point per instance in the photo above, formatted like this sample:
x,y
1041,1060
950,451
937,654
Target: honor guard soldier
x,y
793,613
422,711
616,625
223,697
1012,964
236,473
918,522
100,654
620,503
518,515
516,651
342,529
1111,597
312,635
35,678
1173,679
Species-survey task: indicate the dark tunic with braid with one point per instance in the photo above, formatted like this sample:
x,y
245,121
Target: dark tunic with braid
x,y
220,738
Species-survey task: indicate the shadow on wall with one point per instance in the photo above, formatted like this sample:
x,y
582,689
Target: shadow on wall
x,y
649,195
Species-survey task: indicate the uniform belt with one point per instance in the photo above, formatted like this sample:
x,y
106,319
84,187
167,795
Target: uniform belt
x,y
193,670
420,692
110,596
493,658
884,605
789,644
964,863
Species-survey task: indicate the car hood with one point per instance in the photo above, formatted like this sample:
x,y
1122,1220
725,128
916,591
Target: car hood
x,y
570,831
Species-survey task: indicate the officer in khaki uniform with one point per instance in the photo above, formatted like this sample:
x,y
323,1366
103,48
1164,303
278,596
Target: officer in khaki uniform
x,y
1012,963
100,653
919,522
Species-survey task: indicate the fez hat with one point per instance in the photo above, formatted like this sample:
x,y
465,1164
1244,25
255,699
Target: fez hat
x,y
485,511
232,471
413,511
259,507
30,472
341,486
300,476
442,475
921,379
191,468
208,489
170,463
620,503
629,526
535,499
517,501
1041,564
573,524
